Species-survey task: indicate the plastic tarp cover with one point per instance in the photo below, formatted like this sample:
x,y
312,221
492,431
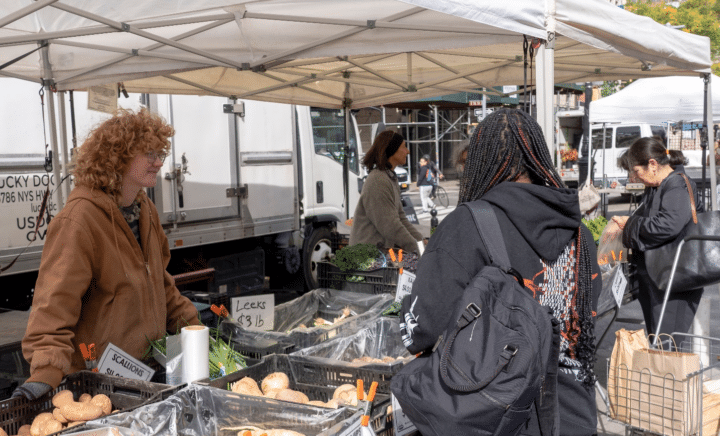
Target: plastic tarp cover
x,y
291,316
205,411
378,339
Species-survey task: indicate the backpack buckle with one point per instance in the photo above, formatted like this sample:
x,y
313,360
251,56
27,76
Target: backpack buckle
x,y
474,310
512,348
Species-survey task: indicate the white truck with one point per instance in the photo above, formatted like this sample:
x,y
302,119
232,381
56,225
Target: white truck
x,y
250,189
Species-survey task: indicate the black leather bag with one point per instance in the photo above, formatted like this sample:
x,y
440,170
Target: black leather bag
x,y
699,262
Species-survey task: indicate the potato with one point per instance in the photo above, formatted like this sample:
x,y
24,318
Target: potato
x,y
81,411
24,430
276,381
291,395
2,432
51,426
84,398
346,394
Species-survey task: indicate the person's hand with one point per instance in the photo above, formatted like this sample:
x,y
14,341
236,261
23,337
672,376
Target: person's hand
x,y
620,220
31,390
442,176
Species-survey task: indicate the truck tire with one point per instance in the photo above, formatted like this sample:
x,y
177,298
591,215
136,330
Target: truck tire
x,y
316,248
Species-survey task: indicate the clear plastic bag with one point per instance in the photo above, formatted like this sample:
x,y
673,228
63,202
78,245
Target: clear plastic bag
x,y
377,340
610,247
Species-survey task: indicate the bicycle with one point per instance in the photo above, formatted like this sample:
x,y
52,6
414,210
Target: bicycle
x,y
440,194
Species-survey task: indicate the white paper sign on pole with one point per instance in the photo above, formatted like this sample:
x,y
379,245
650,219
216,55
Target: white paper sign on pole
x,y
115,361
401,423
103,98
405,282
256,312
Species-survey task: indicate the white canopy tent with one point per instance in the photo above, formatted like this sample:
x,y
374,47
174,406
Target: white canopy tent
x,y
657,100
343,54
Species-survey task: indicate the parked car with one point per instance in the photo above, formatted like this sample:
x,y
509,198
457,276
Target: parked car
x,y
402,176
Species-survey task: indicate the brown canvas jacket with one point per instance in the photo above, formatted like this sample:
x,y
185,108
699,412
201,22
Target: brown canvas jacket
x,y
97,285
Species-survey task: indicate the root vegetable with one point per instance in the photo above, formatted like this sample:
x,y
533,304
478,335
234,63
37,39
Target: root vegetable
x,y
310,403
276,381
61,398
81,411
292,396
51,426
59,416
2,432
246,386
84,398
38,424
282,432
24,430
346,394
103,402
74,423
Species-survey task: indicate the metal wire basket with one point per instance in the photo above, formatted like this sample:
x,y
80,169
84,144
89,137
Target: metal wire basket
x,y
644,399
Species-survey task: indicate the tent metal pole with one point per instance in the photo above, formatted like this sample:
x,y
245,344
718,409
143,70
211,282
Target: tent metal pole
x,y
49,91
438,164
711,142
452,70
27,10
346,159
64,142
544,92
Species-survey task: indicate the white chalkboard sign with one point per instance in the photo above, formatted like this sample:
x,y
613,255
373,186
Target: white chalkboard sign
x,y
256,312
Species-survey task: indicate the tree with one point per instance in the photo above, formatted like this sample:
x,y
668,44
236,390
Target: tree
x,y
699,17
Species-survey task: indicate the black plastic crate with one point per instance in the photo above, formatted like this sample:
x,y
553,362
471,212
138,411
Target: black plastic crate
x,y
239,272
318,382
379,281
286,335
338,241
125,394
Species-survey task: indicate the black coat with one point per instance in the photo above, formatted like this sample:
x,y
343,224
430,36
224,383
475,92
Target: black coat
x,y
663,213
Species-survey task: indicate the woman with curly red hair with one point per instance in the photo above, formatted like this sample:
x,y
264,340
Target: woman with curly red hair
x,y
102,276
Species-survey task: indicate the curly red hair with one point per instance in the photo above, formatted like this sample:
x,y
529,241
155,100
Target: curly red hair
x,y
105,156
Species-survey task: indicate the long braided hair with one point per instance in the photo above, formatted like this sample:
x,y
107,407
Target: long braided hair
x,y
509,145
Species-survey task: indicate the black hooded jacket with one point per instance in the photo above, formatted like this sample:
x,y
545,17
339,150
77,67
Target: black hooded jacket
x,y
537,223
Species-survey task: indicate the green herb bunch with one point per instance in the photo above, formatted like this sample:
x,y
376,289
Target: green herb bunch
x,y
355,257
596,226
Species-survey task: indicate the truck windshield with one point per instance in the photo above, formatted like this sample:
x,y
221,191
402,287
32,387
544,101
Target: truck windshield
x,y
329,136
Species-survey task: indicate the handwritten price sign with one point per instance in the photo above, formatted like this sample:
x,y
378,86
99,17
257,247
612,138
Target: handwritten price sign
x,y
405,282
254,313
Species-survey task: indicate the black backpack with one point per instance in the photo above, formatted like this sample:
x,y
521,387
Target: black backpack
x,y
497,360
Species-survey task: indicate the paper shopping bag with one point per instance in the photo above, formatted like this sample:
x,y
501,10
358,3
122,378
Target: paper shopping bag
x,y
626,343
663,398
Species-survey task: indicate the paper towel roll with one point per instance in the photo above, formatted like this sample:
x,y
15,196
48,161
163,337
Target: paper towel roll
x,y
195,353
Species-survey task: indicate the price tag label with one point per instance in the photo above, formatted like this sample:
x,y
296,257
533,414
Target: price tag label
x,y
618,286
115,361
405,282
254,313
401,423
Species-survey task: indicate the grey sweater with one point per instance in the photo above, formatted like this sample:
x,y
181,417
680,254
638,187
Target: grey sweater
x,y
379,216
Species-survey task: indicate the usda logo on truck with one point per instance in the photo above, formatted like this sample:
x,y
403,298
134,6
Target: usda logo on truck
x,y
21,197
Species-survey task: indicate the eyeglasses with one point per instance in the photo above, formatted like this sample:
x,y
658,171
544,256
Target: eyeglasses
x,y
153,155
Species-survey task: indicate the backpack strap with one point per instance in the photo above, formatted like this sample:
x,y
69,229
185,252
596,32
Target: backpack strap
x,y
489,229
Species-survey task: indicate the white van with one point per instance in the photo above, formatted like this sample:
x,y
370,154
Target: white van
x,y
617,138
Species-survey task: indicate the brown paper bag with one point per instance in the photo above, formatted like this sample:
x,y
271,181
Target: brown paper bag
x,y
661,398
711,414
626,343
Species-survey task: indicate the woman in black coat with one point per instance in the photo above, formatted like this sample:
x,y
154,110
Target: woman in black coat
x,y
664,212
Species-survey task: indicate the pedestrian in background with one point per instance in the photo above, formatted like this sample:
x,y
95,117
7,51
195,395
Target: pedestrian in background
x,y
379,218
425,183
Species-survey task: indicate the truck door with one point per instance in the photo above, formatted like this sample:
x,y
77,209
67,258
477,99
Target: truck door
x,y
323,164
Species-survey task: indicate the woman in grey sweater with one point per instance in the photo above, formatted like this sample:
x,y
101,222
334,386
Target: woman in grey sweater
x,y
379,218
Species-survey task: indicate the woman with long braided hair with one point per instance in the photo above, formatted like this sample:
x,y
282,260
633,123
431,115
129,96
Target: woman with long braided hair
x,y
509,166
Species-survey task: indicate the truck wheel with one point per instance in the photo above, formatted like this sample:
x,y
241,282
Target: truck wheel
x,y
316,248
